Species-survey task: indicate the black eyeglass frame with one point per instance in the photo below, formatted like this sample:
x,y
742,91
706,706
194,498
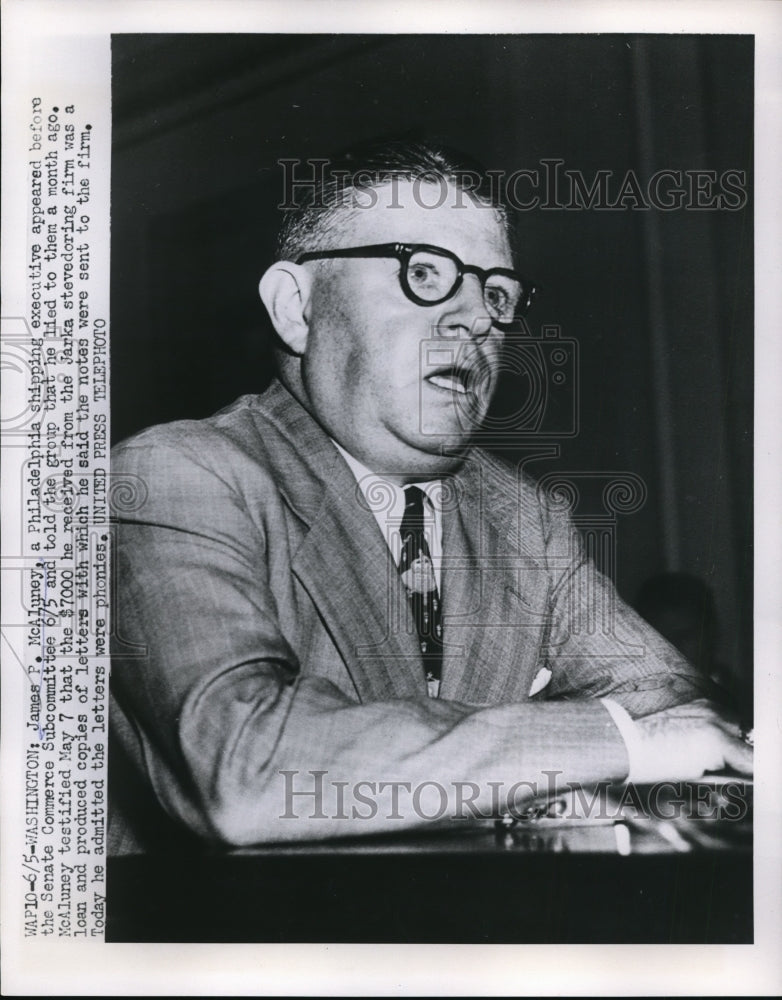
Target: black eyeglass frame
x,y
404,251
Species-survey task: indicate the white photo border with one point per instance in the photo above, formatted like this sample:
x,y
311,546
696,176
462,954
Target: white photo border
x,y
67,967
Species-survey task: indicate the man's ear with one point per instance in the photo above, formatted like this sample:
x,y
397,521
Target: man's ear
x,y
285,291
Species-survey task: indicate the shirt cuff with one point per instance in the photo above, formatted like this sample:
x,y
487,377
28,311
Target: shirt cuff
x,y
629,733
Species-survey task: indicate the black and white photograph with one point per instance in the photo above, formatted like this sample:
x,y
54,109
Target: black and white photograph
x,y
432,386
391,498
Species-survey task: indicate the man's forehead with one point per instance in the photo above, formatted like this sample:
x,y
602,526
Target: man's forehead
x,y
427,212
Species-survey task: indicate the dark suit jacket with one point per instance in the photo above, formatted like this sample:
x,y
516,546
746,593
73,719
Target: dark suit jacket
x,y
262,626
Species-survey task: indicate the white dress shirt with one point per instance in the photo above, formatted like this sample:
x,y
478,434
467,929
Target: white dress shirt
x,y
386,500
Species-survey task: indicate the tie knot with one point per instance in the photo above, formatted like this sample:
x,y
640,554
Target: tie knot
x,y
414,499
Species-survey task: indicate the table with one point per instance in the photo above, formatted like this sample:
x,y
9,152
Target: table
x,y
547,880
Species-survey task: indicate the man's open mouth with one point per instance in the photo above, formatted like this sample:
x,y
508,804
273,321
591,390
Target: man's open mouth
x,y
452,379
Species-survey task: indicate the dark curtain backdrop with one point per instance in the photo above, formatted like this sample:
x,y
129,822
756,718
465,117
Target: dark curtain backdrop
x,y
659,303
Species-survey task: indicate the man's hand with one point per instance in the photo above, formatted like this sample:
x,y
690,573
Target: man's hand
x,y
683,742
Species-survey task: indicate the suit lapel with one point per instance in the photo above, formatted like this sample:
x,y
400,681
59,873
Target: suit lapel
x,y
493,596
343,562
345,566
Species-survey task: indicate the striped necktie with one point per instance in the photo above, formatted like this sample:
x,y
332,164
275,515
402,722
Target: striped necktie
x,y
415,566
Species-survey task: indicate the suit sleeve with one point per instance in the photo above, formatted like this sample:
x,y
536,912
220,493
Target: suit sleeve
x,y
224,727
600,647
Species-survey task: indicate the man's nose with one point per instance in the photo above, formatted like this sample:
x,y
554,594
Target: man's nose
x,y
466,313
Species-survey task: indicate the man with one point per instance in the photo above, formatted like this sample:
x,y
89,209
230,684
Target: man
x,y
295,621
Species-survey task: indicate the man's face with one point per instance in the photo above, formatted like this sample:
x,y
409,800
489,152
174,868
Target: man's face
x,y
399,385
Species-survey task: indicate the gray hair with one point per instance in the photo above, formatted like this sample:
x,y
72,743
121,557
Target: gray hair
x,y
317,209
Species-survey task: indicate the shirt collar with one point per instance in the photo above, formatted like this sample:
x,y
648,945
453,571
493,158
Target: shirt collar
x,y
365,478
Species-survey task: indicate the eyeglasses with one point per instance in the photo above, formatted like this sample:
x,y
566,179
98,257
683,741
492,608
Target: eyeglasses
x,y
431,275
